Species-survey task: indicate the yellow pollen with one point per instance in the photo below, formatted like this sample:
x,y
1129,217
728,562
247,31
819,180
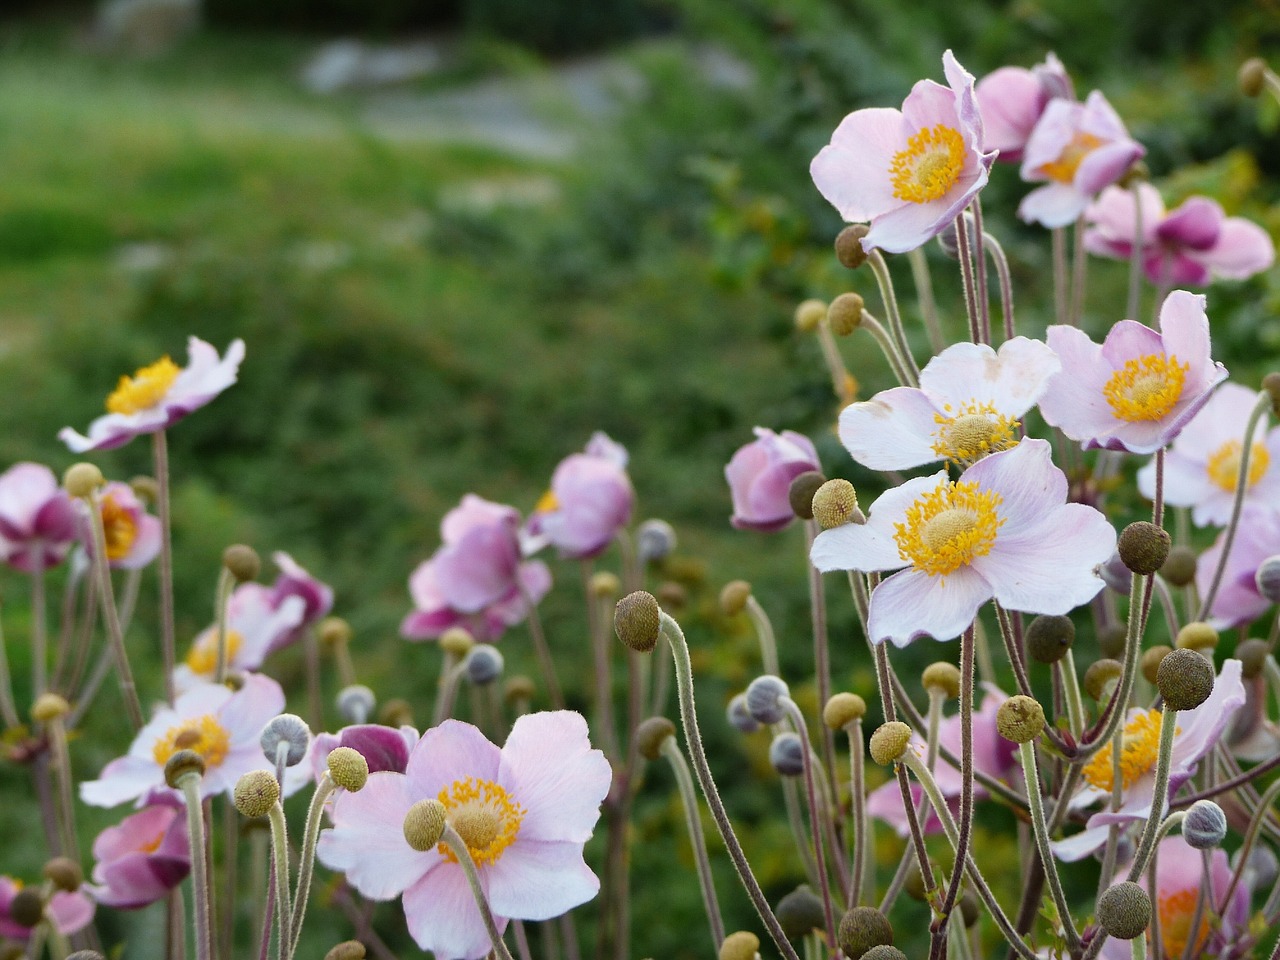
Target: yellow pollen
x,y
1146,388
1139,745
1177,911
1064,168
152,845
546,503
121,532
949,526
967,435
929,166
203,735
485,816
203,658
1224,466
144,389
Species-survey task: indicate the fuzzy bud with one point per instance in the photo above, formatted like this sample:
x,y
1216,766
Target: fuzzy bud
x,y
1267,579
1150,661
842,710
1180,567
519,689
1144,547
1271,387
1205,825
836,503
1101,677
242,562
1049,638
889,742
356,703
739,714
1020,719
81,479
740,945
424,824
334,631
348,768
64,873
256,793
651,734
786,754
1112,639
1185,680
605,585
734,596
800,493
764,698
845,314
809,314
457,641
49,706
913,885
637,620
1124,910
347,950
182,764
884,951
26,909
861,929
288,728
942,677
1252,77
396,713
800,912
849,249
1197,635
655,541
1252,654
85,955
970,909
483,664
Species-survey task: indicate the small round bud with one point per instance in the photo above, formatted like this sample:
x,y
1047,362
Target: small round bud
x,y
81,479
1180,567
290,729
849,246
1049,638
1020,719
1138,172
739,714
1143,547
1185,679
424,824
1124,910
519,688
740,945
861,929
347,950
256,793
234,680
942,677
1252,76
637,620
1205,825
809,314
605,585
1112,639
884,951
483,664
801,492
913,885
348,768
1150,660
889,742
1271,387
1197,635
836,503
146,488
1267,579
734,596
786,754
456,641
800,913
842,709
1252,654
1101,678
49,706
396,713
650,735
672,596
356,703
655,541
242,561
181,765
26,909
970,910
1116,575
64,873
764,698
334,631
845,314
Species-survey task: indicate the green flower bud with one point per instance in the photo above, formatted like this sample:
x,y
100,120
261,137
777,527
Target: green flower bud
x,y
424,824
800,493
800,913
1020,719
843,709
650,735
1124,910
1185,679
861,929
942,677
849,246
637,620
889,742
348,768
1049,638
1101,677
1151,658
1180,567
734,596
256,793
1144,547
845,314
809,314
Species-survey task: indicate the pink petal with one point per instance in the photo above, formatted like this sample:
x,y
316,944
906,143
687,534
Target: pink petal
x,y
443,916
852,172
893,430
367,840
871,546
549,767
538,880
1028,483
912,604
1053,205
1074,401
1196,224
1243,249
452,751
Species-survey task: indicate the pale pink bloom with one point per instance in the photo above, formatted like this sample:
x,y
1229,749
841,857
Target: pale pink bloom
x,y
37,519
132,535
1139,388
969,404
1187,247
1203,464
1011,100
525,812
1003,530
911,171
159,395
70,912
142,858
254,629
590,500
760,474
1238,601
1076,149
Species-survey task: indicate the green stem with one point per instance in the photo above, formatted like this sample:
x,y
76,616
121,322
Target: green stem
x,y
160,453
1031,773
459,848
689,799
310,834
190,786
110,615
280,858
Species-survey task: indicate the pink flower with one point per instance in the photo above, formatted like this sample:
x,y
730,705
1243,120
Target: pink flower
x,y
590,500
1238,601
142,858
383,748
969,404
69,911
132,534
37,519
1185,247
158,396
1004,530
760,476
476,579
1012,99
1203,464
1076,149
254,628
1139,388
908,172
293,580
525,812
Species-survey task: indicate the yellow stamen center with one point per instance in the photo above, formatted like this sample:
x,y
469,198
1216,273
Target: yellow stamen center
x,y
547,503
203,658
121,532
144,389
152,845
967,435
203,735
929,166
1177,911
486,817
1064,168
949,526
1146,388
1139,746
1224,466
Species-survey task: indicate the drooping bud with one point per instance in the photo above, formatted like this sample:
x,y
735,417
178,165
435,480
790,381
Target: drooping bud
x,y
786,754
1049,638
256,793
334,631
1205,825
49,706
836,503
483,664
424,824
800,493
734,596
1144,547
1180,567
650,735
146,488
849,246
1101,677
1185,679
348,768
740,945
26,909
843,709
1267,579
1252,76
182,764
1020,719
1197,635
81,479
64,873
347,950
1112,639
861,929
290,729
739,715
764,698
242,561
942,677
809,314
1151,659
845,314
800,912
1124,910
456,641
637,620
356,703
889,742
655,541
1252,654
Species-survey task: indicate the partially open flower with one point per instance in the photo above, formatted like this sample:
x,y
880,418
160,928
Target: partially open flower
x,y
37,519
254,629
760,475
69,912
132,535
142,858
1012,99
590,500
1238,600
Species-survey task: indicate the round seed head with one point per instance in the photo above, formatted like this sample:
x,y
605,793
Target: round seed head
x,y
424,824
889,742
655,541
764,698
49,706
256,793
180,765
26,909
288,728
1205,825
800,493
836,503
809,314
849,246
913,886
1020,719
786,754
1151,659
637,620
1197,635
843,709
1185,679
396,713
519,688
740,945
64,873
1101,677
1267,579
800,912
1252,654
356,703
347,950
605,585
739,714
1144,547
1180,567
943,678
81,479
734,596
146,488
242,561
1252,76
457,641
334,631
483,664
1124,910
884,951
845,314
650,735
861,929
348,768
1111,640
1049,638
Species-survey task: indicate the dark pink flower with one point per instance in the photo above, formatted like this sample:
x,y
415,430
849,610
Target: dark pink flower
x,y
293,580
590,500
1011,101
383,748
69,911
142,858
760,476
37,519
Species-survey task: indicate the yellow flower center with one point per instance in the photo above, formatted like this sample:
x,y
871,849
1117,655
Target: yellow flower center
x,y
152,845
929,166
947,527
121,532
203,658
202,735
966,436
1139,745
1146,388
486,817
1224,466
1177,911
547,503
1064,168
144,389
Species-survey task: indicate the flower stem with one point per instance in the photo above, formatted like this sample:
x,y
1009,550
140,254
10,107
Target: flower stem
x,y
980,270
160,454
280,859
861,862
39,633
544,653
1031,774
1133,303
225,581
815,818
306,865
924,293
765,635
459,848
684,783
890,299
190,786
114,634
8,708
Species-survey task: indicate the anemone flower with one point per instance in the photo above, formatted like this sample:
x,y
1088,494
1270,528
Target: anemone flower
x,y
1238,600
760,474
142,858
70,911
254,629
1011,100
132,535
590,500
37,518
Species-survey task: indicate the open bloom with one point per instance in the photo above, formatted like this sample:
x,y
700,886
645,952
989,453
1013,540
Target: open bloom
x,y
254,629
1003,530
1076,149
908,172
142,858
37,519
1012,99
590,500
1185,247
524,812
1203,465
159,395
969,404
1139,388
132,534
760,475
1238,601
70,911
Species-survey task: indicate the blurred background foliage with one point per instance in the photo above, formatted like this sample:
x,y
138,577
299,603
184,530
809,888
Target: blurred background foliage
x,y
406,347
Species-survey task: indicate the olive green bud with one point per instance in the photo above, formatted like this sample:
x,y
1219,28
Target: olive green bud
x,y
1271,386
256,793
672,596
843,709
836,503
396,713
1252,654
1144,547
180,765
651,734
740,945
424,824
809,314
334,631
1150,662
1180,566
49,706
845,314
519,688
146,488
347,950
889,742
800,493
456,641
81,479
800,912
348,768
1112,639
942,677
26,909
849,249
1197,635
1020,719
1252,76
883,951
1049,638
605,585
1124,910
861,929
242,562
1101,678
64,873
734,596
637,620
1185,680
